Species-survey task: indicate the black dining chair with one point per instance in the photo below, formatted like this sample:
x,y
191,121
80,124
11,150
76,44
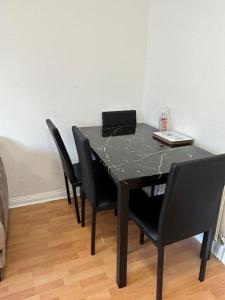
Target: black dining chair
x,y
98,187
119,118
189,207
71,171
97,184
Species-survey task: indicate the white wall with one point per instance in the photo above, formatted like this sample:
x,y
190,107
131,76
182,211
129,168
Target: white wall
x,y
66,60
185,69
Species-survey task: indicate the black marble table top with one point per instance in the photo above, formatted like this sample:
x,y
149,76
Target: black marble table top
x,y
131,153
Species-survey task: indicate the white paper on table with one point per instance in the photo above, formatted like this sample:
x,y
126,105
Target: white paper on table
x,y
172,136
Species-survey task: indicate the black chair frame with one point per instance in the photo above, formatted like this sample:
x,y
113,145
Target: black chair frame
x,y
119,118
91,171
69,169
189,207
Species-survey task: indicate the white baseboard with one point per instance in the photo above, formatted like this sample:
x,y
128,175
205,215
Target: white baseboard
x,y
37,198
217,250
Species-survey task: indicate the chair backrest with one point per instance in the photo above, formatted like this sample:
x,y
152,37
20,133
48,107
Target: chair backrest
x,y
119,118
192,199
86,165
64,156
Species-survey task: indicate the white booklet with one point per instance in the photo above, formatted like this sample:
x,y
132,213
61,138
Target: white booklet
x,y
173,137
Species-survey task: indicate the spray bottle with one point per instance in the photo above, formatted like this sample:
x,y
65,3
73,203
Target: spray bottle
x,y
163,119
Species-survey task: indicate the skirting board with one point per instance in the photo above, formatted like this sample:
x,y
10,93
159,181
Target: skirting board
x,y
38,198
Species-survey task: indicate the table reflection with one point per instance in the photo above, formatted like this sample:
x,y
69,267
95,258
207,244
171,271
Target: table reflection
x,y
117,131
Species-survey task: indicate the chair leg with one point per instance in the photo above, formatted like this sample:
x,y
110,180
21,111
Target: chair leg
x,y
67,189
93,230
82,196
204,242
160,273
208,237
142,237
203,245
115,212
76,203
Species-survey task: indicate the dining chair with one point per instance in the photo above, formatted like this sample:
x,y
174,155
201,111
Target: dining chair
x,y
71,171
98,186
189,207
119,118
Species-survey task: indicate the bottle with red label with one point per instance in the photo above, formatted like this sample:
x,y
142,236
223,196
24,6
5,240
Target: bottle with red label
x,y
163,120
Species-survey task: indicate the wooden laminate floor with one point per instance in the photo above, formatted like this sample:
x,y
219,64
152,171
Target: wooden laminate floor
x,y
48,257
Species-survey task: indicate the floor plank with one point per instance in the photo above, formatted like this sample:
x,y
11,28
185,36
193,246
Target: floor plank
x,y
48,258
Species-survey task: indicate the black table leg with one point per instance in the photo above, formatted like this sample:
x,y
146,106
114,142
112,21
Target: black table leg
x,y
122,233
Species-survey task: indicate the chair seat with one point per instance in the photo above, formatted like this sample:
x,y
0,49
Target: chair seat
x,y
145,212
107,192
105,188
107,196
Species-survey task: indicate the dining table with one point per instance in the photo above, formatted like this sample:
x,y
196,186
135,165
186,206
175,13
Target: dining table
x,y
134,159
